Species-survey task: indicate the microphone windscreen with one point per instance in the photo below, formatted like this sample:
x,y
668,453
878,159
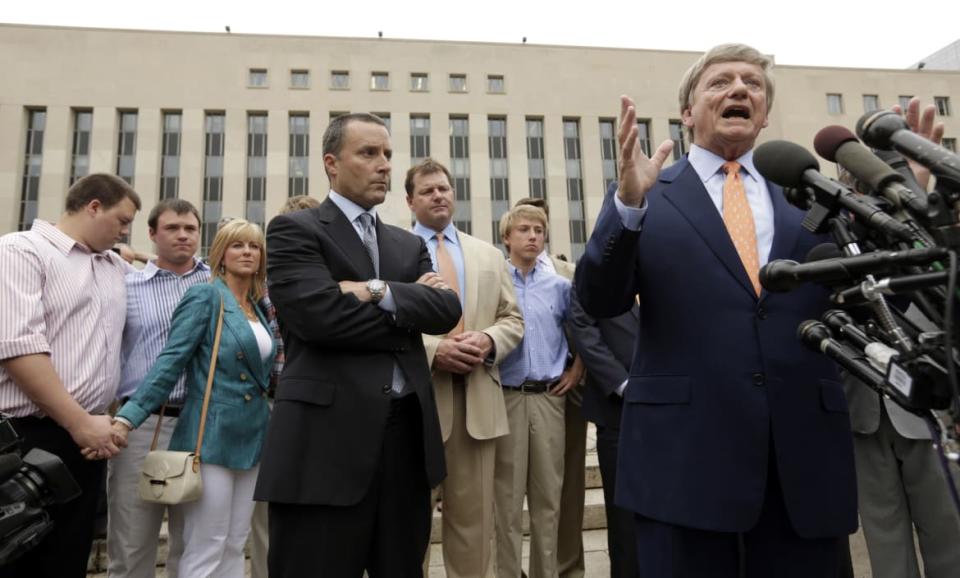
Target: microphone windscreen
x,y
823,251
784,162
829,139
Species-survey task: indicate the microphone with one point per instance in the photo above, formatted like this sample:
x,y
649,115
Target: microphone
x,y
816,336
837,144
783,275
9,465
887,130
896,162
790,165
890,286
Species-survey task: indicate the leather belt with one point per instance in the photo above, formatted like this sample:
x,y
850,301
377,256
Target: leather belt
x,y
532,386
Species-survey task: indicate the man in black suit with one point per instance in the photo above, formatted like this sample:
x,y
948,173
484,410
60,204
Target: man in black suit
x,y
354,443
606,347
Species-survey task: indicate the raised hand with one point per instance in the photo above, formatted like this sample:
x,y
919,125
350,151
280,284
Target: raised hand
x,y
638,173
923,123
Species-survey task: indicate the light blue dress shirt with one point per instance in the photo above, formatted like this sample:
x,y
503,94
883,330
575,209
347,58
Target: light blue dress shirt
x,y
709,167
152,296
544,301
452,240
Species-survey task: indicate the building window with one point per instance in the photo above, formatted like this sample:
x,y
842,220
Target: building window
x,y
904,100
871,102
571,153
950,144
257,78
460,164
170,159
535,161
834,103
213,143
419,137
256,168
644,138
943,105
419,82
127,146
32,163
676,135
340,80
458,83
499,181
80,152
463,225
379,81
299,79
299,179
608,151
495,84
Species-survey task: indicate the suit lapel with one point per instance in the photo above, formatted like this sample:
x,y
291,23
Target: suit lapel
x,y
686,192
236,323
345,237
786,226
471,273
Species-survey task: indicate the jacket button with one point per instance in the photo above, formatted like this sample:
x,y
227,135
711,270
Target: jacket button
x,y
247,397
243,377
387,388
761,313
239,355
759,379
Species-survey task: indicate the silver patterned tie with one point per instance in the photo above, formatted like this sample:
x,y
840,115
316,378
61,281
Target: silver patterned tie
x,y
370,240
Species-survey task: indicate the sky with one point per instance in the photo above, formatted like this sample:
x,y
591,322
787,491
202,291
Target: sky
x,y
878,34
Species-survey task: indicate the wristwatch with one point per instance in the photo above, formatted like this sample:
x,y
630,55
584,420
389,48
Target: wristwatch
x,y
377,289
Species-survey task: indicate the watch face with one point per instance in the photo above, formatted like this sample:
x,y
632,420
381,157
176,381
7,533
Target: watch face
x,y
377,285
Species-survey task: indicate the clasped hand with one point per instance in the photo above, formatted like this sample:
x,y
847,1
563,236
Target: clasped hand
x,y
100,439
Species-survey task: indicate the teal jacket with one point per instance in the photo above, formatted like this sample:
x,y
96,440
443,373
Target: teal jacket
x,y
238,412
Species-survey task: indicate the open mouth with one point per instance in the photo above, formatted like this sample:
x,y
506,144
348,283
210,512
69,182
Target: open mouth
x,y
736,112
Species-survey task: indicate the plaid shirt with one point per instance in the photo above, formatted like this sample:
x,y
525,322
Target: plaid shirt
x,y
271,313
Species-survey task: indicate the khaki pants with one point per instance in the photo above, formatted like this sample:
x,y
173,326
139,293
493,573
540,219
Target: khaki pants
x,y
529,463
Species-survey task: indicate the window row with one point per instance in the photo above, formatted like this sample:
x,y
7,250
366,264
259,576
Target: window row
x,y
379,80
871,102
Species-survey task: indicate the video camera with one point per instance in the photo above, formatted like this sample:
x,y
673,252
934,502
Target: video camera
x,y
28,485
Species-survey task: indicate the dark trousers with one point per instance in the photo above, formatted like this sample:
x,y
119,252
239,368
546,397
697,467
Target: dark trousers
x,y
621,540
65,551
771,549
386,533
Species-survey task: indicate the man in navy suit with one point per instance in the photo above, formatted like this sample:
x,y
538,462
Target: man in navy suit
x,y
735,447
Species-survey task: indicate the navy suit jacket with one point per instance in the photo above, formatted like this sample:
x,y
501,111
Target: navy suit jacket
x,y
718,374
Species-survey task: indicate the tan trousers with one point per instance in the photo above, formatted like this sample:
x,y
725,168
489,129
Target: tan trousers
x,y
467,507
529,463
570,563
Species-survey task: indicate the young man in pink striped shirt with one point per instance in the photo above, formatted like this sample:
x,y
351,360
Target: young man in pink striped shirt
x,y
63,297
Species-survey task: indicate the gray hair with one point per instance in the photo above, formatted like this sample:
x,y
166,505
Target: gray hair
x,y
725,53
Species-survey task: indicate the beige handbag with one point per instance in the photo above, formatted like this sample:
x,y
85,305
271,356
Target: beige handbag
x,y
174,477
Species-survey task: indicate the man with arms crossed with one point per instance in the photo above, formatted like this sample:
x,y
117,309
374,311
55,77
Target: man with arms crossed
x,y
152,295
63,313
354,443
466,379
735,437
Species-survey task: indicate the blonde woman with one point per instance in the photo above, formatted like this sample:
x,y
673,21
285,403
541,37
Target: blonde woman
x,y
216,525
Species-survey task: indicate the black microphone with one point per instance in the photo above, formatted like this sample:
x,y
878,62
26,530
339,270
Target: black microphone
x,y
837,144
890,286
816,336
790,165
896,162
783,275
888,130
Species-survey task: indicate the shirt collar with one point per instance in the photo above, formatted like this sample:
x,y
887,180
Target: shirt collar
x,y
544,257
350,209
449,232
515,271
150,269
707,163
62,241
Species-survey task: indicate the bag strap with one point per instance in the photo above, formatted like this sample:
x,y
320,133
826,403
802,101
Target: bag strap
x,y
206,394
156,431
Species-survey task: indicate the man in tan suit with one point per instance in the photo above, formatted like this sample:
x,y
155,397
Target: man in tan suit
x,y
464,364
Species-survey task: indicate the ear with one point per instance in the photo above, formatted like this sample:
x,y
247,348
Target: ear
x,y
330,164
409,201
686,116
94,207
152,233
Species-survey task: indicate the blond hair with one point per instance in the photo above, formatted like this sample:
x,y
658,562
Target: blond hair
x,y
243,231
509,219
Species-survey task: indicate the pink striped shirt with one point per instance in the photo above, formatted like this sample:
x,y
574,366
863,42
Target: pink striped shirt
x,y
58,297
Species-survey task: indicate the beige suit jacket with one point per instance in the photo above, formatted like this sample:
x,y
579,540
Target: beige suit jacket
x,y
491,307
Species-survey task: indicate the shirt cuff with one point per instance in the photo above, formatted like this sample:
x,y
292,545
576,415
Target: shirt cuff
x,y
124,421
622,387
387,303
632,217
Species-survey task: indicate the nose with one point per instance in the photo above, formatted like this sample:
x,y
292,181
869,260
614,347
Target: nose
x,y
738,87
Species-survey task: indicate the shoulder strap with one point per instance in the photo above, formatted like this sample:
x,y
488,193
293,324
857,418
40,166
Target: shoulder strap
x,y
206,394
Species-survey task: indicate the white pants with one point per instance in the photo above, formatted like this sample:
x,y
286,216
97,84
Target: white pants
x,y
215,527
133,526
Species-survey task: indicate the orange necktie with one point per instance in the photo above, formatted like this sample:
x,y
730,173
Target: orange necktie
x,y
448,272
738,218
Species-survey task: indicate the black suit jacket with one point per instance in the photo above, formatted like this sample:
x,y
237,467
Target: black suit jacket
x,y
606,347
325,436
